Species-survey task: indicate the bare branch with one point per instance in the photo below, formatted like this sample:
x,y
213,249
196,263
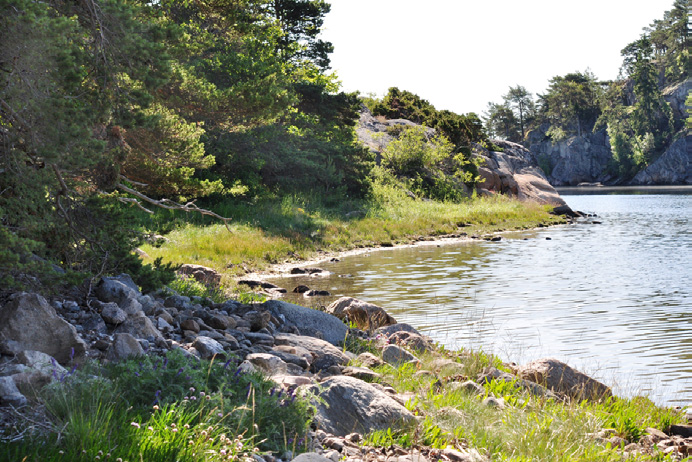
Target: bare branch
x,y
171,205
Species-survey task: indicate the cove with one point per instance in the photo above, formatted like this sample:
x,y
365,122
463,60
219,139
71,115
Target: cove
x,y
610,295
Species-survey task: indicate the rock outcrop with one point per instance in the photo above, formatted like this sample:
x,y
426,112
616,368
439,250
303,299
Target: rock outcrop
x,y
578,159
673,167
514,173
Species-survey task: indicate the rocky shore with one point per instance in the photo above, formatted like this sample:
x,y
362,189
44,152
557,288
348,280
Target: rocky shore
x,y
302,350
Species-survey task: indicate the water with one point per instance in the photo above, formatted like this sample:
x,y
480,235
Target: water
x,y
612,299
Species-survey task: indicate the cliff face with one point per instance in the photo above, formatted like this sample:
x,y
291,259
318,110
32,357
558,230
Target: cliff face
x,y
673,167
572,161
586,158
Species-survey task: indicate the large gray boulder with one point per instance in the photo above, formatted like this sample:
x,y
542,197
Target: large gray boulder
x,y
673,167
348,405
32,324
308,321
363,314
559,377
123,347
323,353
139,327
514,173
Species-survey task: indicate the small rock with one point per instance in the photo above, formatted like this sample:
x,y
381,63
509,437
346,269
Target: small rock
x,y
9,393
396,355
113,314
191,325
269,364
124,345
369,360
300,289
316,293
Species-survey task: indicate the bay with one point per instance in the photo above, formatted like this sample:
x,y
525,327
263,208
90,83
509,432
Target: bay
x,y
610,295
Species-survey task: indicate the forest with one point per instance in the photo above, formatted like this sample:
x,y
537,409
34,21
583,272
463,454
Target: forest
x,y
110,110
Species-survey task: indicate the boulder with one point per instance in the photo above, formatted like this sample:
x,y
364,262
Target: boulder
x,y
559,377
40,369
9,393
369,360
124,346
32,324
269,364
113,314
399,327
320,350
348,405
208,347
117,289
415,342
308,321
139,327
363,314
202,274
492,373
395,355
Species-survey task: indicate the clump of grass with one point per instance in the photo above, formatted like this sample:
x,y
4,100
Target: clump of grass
x,y
164,409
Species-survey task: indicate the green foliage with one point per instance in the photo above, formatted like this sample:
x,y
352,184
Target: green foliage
x,y
164,409
191,287
571,103
501,122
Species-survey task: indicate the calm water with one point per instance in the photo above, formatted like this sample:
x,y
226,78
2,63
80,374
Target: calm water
x,y
612,299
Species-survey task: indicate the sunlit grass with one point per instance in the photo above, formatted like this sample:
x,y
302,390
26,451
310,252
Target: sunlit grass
x,y
294,228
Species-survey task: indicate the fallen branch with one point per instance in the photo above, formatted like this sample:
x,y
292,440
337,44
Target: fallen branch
x,y
167,204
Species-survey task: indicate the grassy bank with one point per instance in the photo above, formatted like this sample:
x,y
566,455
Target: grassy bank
x,y
296,228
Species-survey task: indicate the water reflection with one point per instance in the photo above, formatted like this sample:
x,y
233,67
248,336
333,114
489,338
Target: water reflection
x,y
612,299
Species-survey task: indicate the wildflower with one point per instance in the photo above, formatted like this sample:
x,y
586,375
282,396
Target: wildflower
x,y
175,430
201,393
135,424
173,425
225,365
180,371
97,458
222,452
192,389
193,398
220,414
150,428
186,426
156,407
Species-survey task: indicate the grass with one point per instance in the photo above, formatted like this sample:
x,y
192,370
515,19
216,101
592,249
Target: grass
x,y
296,228
526,429
162,409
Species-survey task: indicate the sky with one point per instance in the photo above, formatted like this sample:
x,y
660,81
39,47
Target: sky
x,y
462,54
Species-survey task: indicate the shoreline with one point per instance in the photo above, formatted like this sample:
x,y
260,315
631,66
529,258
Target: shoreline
x,y
283,269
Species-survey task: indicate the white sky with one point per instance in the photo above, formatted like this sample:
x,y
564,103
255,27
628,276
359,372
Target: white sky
x,y
460,55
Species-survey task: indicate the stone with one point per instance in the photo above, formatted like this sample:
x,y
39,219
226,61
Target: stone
x,y
180,302
316,293
399,327
123,347
94,323
492,373
457,456
140,327
559,377
363,314
163,326
395,355
117,289
447,367
308,321
348,405
291,358
9,393
191,325
257,319
203,274
32,324
113,314
319,349
267,363
362,373
415,342
369,360
311,457
208,348
468,386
